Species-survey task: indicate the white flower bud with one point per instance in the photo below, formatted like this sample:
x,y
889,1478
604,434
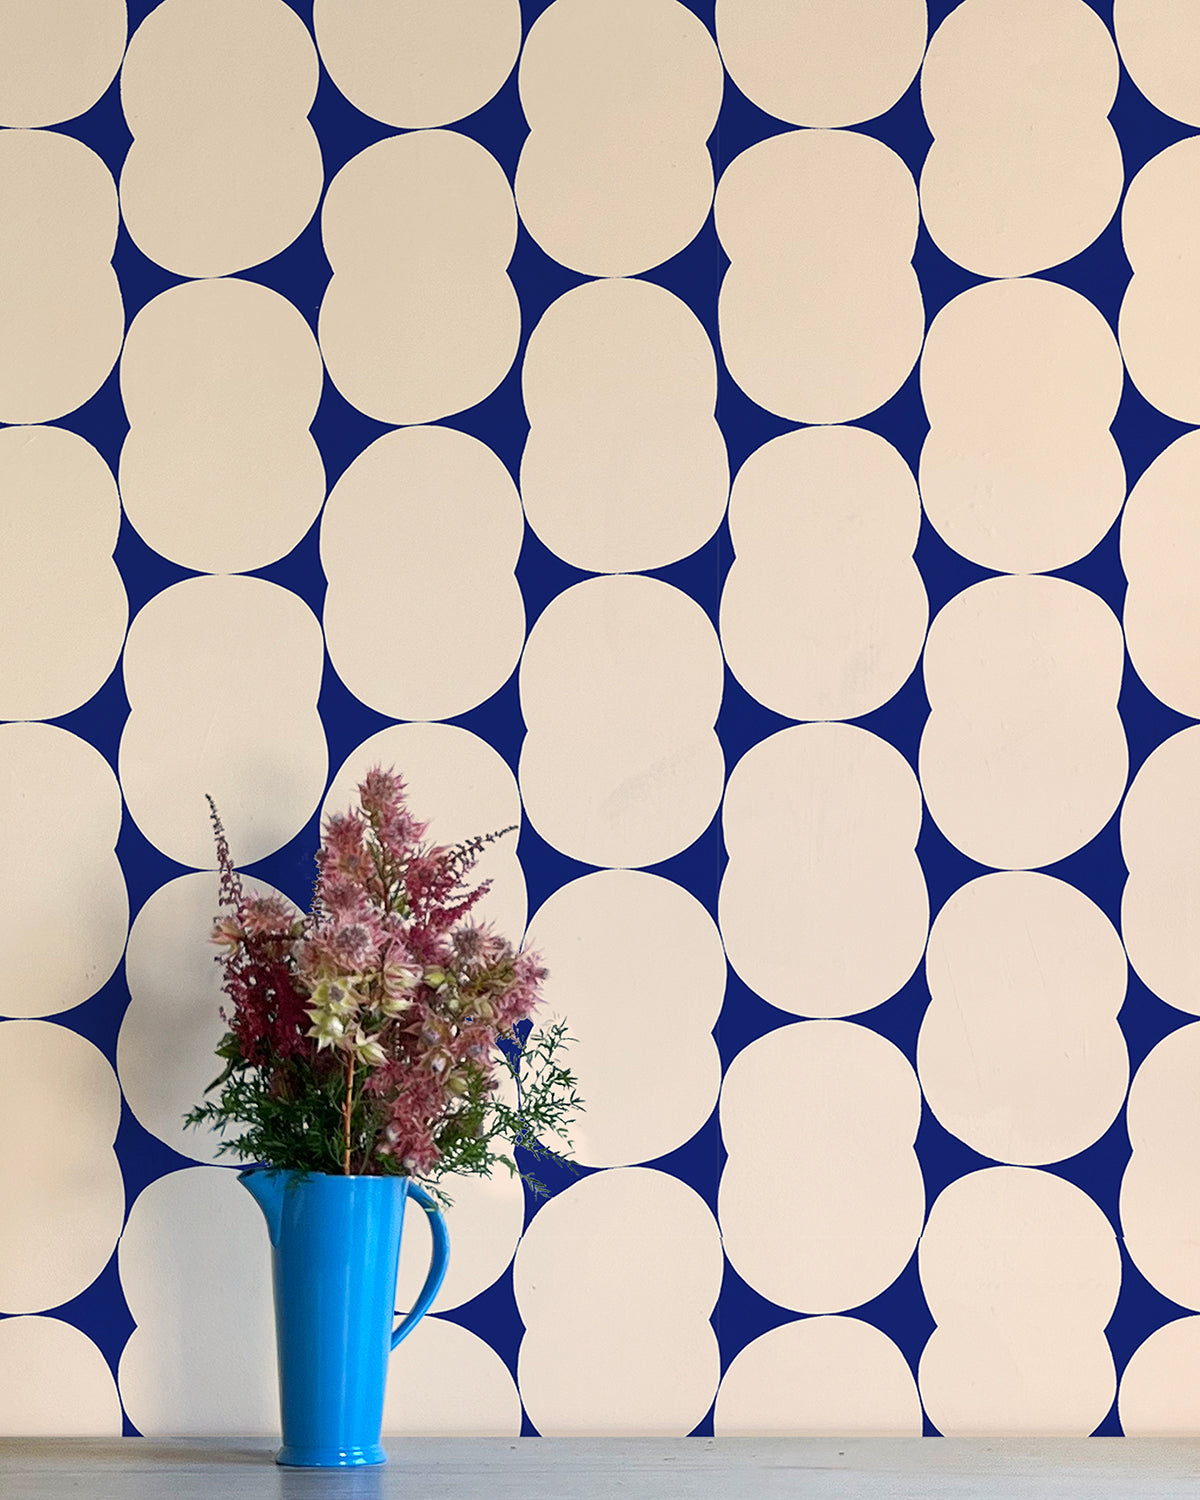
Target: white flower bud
x,y
335,996
399,977
327,1028
369,1051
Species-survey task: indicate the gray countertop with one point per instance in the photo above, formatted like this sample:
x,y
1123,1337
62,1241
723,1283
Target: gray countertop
x,y
629,1468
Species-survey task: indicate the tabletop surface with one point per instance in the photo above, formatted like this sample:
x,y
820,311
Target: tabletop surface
x,y
630,1468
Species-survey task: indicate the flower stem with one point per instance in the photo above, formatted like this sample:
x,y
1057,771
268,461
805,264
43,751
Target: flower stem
x,y
347,1110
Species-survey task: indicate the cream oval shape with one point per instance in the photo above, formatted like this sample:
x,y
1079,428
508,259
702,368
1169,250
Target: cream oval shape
x,y
462,787
830,1216
1017,1246
1021,1272
979,1382
615,1281
60,303
1021,381
1160,828
488,1217
823,614
620,95
823,906
1019,1053
65,898
625,467
828,62
443,1360
1159,534
66,1388
59,57
438,505
420,318
64,1199
819,1377
637,1108
225,170
621,681
1160,1387
1160,1212
195,1271
414,65
1159,41
254,742
1159,323
221,380
820,311
172,1025
1023,758
63,609
1025,170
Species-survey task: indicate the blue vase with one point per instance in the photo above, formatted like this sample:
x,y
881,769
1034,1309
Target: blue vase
x,y
335,1249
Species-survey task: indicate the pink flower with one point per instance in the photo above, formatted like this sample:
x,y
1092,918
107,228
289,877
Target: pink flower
x,y
332,948
267,916
353,947
382,799
313,959
399,979
381,794
344,898
477,946
344,851
343,835
227,933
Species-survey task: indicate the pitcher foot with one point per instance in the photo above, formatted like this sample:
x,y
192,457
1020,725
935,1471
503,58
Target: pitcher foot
x,y
295,1457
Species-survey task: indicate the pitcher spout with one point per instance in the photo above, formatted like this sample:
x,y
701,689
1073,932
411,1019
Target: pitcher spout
x,y
266,1188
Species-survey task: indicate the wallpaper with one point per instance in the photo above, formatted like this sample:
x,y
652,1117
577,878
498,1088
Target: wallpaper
x,y
753,446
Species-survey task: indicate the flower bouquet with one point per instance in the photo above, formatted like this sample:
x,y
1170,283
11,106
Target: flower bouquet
x,y
371,1035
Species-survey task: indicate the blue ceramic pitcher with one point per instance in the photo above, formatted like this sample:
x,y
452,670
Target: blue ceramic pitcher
x,y
335,1250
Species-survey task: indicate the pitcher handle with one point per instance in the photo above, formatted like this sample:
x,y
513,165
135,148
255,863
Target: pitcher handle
x,y
437,1266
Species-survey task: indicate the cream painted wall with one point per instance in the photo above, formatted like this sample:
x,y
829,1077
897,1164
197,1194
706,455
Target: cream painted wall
x,y
717,434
